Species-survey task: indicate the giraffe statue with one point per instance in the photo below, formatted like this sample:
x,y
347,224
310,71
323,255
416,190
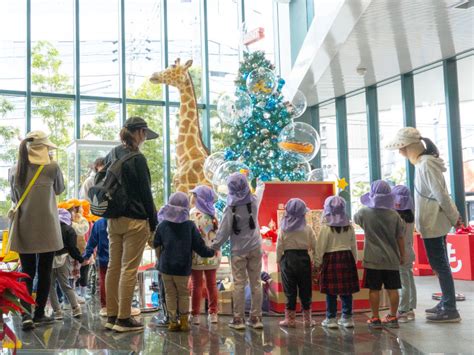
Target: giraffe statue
x,y
190,149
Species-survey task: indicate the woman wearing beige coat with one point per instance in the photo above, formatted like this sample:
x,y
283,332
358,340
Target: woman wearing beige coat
x,y
37,234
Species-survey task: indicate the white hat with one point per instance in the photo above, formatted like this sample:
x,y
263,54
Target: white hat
x,y
404,137
40,138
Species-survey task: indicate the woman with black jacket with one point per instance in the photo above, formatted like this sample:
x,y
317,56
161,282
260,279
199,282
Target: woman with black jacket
x,y
129,233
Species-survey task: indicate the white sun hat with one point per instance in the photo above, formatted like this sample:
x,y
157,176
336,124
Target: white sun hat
x,y
404,138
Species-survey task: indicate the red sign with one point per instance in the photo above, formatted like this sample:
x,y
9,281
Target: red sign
x,y
254,36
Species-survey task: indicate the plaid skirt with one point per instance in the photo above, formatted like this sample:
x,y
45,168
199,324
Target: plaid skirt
x,y
339,274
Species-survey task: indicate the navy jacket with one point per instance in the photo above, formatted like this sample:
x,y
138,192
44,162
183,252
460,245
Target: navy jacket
x,y
99,238
177,242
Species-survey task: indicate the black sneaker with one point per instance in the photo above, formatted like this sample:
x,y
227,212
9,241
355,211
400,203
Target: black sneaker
x,y
27,322
434,310
444,317
43,320
127,325
110,323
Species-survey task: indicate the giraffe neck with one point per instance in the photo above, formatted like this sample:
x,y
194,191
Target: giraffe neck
x,y
189,128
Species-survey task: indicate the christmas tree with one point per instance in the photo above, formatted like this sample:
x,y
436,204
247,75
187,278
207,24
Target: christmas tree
x,y
255,141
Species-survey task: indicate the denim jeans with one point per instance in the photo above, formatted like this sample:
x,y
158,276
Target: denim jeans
x,y
438,257
331,306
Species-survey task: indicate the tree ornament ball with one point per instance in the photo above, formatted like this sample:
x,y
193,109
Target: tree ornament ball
x,y
261,81
296,102
212,163
224,171
234,107
300,138
316,175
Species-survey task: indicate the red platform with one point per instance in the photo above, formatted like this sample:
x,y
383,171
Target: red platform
x,y
461,256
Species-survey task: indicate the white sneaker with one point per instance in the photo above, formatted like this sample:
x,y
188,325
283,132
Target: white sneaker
x,y
80,299
411,315
213,318
135,312
77,312
58,315
103,312
330,323
196,320
346,322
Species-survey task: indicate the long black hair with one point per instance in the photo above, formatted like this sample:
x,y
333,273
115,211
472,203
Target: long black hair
x,y
430,148
235,227
407,216
23,161
340,229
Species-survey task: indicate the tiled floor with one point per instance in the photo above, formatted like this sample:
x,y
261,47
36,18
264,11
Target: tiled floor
x,y
75,336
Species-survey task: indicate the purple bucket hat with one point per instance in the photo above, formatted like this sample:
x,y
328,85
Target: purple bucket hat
x,y
335,212
380,196
402,196
205,199
239,190
65,216
176,210
294,218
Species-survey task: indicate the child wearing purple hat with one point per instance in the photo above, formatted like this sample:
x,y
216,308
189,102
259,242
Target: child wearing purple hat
x,y
384,250
239,223
295,240
175,240
336,257
203,214
404,207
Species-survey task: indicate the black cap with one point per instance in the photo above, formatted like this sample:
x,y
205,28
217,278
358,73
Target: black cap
x,y
136,123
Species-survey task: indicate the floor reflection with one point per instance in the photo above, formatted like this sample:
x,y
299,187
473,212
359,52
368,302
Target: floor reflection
x,y
88,333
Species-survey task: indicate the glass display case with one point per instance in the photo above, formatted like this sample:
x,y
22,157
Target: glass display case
x,y
80,156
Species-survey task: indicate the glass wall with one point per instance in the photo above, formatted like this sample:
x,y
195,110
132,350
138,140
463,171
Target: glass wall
x,y
113,57
431,111
328,133
465,68
358,148
12,127
12,45
393,165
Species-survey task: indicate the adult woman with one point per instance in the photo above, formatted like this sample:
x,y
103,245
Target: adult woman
x,y
37,234
435,214
129,233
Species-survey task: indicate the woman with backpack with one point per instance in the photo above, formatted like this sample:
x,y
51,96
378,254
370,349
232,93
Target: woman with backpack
x,y
35,231
435,214
129,232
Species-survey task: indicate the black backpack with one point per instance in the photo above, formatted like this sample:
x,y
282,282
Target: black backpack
x,y
108,196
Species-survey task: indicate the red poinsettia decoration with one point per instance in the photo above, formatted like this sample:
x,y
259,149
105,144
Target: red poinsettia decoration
x,y
465,230
12,292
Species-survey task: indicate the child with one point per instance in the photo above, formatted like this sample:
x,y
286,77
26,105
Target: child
x,y
404,207
384,250
61,267
239,223
81,227
295,241
336,257
203,215
99,239
176,238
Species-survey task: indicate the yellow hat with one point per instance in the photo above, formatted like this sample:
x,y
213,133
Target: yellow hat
x,y
66,205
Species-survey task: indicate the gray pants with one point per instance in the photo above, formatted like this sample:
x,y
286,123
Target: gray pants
x,y
62,275
247,267
408,291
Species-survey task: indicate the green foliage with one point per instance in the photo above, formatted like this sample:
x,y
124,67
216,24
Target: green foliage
x,y
153,150
104,124
8,153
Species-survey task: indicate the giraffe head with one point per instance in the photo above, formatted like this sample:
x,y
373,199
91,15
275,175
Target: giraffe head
x,y
175,75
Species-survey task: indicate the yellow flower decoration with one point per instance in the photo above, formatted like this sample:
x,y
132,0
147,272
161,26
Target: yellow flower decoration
x,y
342,183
